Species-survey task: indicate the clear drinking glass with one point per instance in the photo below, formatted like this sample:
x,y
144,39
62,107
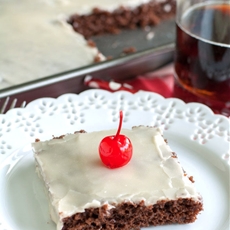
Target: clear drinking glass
x,y
202,60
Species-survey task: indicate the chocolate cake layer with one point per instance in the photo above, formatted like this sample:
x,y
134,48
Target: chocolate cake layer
x,y
128,216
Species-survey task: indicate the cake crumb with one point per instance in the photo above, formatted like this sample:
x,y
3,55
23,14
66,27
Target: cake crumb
x,y
167,7
129,50
150,35
97,58
60,137
192,179
109,57
174,155
91,43
80,131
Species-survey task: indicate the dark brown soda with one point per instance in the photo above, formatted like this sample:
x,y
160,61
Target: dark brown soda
x,y
202,61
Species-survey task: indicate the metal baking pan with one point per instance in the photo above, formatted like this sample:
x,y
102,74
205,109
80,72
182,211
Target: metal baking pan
x,y
73,81
141,39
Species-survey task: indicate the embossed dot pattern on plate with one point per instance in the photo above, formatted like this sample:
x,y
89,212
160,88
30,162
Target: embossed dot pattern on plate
x,y
73,110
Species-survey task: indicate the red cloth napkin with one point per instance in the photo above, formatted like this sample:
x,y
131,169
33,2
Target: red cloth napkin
x,y
160,81
163,83
159,84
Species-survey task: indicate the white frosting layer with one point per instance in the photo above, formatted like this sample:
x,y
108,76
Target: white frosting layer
x,y
36,40
76,179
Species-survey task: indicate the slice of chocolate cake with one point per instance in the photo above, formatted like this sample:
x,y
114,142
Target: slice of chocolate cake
x,y
152,189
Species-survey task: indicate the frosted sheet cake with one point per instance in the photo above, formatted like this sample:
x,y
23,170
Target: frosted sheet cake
x,y
37,37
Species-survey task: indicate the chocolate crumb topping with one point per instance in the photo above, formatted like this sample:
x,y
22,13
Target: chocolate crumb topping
x,y
129,50
104,22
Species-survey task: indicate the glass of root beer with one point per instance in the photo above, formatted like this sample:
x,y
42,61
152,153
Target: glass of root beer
x,y
202,58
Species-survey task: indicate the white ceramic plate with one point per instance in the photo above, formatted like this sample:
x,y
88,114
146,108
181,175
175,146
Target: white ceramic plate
x,y
200,138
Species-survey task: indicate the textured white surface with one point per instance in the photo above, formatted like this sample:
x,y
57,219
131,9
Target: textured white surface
x,y
200,138
94,107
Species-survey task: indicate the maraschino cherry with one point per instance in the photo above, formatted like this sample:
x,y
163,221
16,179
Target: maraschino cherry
x,y
116,150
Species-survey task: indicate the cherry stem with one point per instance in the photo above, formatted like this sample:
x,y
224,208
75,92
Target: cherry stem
x,y
119,127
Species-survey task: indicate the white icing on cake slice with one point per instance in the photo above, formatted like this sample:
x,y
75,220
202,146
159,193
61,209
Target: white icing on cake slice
x,y
76,179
